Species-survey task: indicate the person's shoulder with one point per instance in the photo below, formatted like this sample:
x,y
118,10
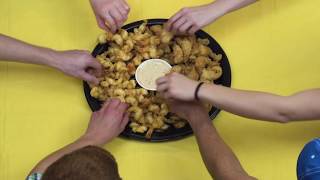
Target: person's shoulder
x,y
35,176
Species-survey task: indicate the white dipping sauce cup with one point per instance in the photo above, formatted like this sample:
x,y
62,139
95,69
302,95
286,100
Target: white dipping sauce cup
x,y
149,71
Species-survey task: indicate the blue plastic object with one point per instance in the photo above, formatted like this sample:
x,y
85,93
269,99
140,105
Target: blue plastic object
x,y
308,167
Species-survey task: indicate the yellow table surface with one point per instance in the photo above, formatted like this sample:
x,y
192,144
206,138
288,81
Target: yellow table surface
x,y
272,46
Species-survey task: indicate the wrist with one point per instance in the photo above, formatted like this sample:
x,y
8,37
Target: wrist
x,y
197,115
197,89
92,2
52,58
198,122
203,91
218,9
91,139
85,141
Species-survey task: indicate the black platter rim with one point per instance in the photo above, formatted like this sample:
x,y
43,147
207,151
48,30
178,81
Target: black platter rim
x,y
173,134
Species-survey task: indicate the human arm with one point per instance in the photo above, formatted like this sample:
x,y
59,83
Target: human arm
x,y
219,159
75,62
303,105
110,14
105,125
257,105
189,20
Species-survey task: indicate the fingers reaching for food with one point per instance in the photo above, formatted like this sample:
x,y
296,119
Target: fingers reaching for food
x,y
148,110
149,71
177,86
110,14
79,64
191,19
187,110
108,122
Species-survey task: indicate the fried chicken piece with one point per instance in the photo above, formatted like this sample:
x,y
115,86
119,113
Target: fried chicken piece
x,y
177,54
166,37
211,74
131,68
192,74
201,62
186,46
177,69
156,29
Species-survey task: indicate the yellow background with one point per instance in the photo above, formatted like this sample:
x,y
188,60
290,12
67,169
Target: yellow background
x,y
272,46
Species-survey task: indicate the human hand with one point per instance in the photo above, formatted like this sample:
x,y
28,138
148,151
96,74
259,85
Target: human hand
x,y
194,112
177,86
110,14
191,19
107,123
78,63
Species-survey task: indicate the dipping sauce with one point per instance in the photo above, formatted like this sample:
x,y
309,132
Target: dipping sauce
x,y
149,71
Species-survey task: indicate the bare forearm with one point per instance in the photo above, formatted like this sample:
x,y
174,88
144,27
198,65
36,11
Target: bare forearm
x,y
227,6
304,105
256,105
219,159
18,51
47,161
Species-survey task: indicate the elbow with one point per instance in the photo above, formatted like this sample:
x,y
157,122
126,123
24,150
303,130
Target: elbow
x,y
282,119
284,112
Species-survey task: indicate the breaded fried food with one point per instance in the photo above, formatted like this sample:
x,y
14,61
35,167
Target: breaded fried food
x,y
127,50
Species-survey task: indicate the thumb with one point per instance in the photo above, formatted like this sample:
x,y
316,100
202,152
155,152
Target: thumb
x,y
89,78
96,66
102,25
124,121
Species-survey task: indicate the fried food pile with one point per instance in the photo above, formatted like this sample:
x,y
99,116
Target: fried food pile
x,y
127,50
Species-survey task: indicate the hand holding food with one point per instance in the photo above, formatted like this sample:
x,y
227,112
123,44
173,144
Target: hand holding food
x,y
189,20
108,122
177,86
110,14
190,111
79,64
